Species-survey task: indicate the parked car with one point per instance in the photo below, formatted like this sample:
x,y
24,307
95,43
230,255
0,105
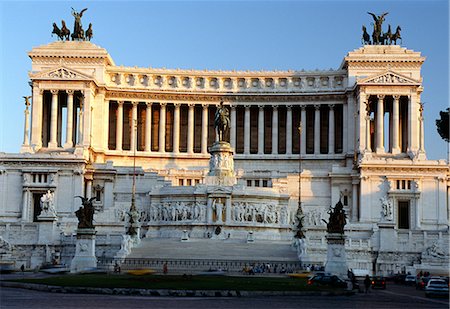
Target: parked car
x,y
436,287
410,280
378,282
327,280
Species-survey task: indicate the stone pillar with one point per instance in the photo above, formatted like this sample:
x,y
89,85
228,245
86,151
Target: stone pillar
x,y
274,129
26,126
119,126
89,188
413,135
354,201
395,124
261,129
336,256
228,210
204,141
176,128
133,126
25,202
148,127
346,127
380,124
162,127
209,211
233,126
190,136
331,130
303,131
69,126
316,129
36,117
289,129
247,130
422,138
53,143
80,124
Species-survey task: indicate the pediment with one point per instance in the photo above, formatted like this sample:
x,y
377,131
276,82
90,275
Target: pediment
x,y
389,78
61,73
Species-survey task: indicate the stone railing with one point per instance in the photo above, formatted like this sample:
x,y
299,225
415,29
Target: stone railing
x,y
225,81
196,265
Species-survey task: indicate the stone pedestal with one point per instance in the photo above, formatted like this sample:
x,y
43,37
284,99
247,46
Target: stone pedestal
x,y
221,165
47,228
387,237
84,258
336,257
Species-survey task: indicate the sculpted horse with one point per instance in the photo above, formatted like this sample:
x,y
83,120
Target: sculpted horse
x,y
221,121
63,33
89,33
365,37
396,35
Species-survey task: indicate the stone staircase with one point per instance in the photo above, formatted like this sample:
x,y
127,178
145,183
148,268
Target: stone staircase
x,y
197,255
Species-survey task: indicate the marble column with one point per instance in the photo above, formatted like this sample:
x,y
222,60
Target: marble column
x,y
53,143
331,130
80,123
395,125
413,134
347,130
289,129
25,202
88,188
317,129
354,201
368,144
190,136
176,128
148,127
26,128
119,126
303,129
233,127
422,137
274,129
247,130
261,129
204,141
36,117
380,125
162,127
133,126
69,125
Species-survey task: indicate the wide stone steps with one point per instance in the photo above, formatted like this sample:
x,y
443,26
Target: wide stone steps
x,y
213,249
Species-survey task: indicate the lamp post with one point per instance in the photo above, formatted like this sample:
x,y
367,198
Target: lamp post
x,y
133,228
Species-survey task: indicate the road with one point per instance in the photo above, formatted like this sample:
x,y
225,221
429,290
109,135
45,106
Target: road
x,y
393,297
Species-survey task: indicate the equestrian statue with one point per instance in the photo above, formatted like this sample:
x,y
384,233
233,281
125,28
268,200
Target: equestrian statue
x,y
378,36
221,121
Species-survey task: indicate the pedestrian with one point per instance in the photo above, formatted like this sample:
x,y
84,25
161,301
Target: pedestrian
x,y
367,283
22,268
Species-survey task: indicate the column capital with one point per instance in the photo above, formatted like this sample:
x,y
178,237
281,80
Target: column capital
x,y
316,107
233,106
54,91
149,104
177,104
302,107
247,106
331,106
120,103
289,107
135,103
162,104
380,96
191,104
205,105
260,106
396,96
274,107
70,91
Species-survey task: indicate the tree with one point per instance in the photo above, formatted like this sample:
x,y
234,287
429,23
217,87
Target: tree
x,y
442,125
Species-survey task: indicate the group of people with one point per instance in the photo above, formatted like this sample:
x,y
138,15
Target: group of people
x,y
262,268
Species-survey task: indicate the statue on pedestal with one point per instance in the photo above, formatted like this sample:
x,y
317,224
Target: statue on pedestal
x,y
337,219
85,214
221,121
47,204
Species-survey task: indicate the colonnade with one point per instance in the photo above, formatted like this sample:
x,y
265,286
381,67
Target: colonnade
x,y
403,131
47,118
242,123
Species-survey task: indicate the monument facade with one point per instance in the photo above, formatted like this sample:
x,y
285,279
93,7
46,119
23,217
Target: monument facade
x,y
362,141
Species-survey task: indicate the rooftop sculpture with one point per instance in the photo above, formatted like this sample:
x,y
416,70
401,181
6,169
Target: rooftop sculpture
x,y
78,33
378,36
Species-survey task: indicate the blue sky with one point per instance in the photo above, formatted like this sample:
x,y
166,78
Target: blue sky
x,y
224,35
